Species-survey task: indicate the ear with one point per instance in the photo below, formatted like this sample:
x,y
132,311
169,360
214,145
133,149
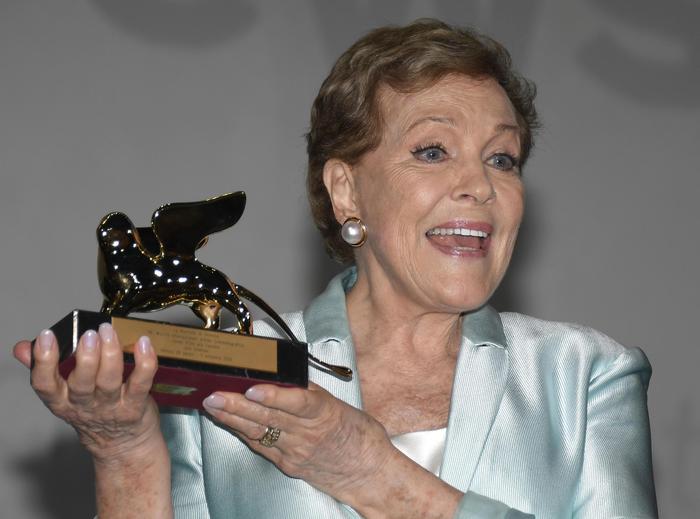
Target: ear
x,y
338,177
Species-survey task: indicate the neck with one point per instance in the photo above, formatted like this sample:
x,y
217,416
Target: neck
x,y
387,323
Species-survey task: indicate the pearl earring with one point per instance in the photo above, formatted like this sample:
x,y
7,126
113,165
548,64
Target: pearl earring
x,y
353,232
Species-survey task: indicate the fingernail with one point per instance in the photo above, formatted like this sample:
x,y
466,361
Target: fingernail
x,y
45,340
214,401
90,340
144,345
106,332
255,394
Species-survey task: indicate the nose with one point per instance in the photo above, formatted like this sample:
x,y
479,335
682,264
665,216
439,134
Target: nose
x,y
473,182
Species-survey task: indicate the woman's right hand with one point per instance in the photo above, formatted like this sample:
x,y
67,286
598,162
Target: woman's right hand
x,y
115,420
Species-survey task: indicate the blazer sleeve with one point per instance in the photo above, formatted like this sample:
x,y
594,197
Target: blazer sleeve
x,y
182,431
616,475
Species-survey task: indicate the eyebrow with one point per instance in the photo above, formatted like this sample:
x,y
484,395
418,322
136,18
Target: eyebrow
x,y
500,128
432,118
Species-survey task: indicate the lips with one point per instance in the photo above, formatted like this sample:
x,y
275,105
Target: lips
x,y
461,238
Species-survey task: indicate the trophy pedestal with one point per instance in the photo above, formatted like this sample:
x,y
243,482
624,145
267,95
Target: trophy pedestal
x,y
192,362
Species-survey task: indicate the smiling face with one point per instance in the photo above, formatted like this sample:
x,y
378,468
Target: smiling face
x,y
441,196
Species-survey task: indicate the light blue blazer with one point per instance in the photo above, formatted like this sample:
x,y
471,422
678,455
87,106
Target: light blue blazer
x,y
547,419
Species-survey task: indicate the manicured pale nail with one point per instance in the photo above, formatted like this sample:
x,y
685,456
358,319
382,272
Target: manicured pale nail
x,y
255,394
90,340
144,345
106,332
45,340
214,401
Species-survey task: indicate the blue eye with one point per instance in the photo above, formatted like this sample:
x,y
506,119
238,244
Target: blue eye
x,y
430,153
503,161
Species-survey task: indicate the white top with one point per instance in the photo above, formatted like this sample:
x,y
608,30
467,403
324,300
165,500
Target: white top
x,y
423,447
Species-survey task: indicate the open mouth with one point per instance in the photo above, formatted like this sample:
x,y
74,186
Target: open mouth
x,y
459,239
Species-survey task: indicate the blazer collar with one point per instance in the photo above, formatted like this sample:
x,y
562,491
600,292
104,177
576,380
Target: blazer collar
x,y
325,319
328,335
483,327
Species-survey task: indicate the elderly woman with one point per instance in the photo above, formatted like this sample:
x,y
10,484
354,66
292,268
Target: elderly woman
x,y
416,149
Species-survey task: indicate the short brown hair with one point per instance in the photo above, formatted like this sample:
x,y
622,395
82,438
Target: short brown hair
x,y
346,120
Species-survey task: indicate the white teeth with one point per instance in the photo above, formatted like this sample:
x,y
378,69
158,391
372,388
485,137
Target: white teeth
x,y
449,231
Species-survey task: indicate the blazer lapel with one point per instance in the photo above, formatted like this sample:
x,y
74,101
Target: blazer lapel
x,y
480,381
328,335
341,353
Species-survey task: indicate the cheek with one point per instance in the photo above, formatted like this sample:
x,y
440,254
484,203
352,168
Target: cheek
x,y
396,216
518,210
511,210
515,218
513,203
395,201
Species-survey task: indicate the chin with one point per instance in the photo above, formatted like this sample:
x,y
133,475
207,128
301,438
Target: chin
x,y
460,298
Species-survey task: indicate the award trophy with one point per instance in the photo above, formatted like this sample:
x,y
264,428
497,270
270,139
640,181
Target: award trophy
x,y
151,268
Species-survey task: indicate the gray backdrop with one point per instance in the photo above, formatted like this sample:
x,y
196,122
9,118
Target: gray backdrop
x,y
125,104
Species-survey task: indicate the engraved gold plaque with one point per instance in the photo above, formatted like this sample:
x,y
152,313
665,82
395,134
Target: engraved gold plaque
x,y
195,345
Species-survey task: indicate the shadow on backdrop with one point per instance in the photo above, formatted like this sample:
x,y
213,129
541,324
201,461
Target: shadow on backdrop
x,y
511,23
61,477
343,22
200,24
669,80
684,432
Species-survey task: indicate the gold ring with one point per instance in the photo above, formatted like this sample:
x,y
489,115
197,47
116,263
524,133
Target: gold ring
x,y
272,434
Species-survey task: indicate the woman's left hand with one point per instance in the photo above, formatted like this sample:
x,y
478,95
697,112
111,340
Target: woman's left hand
x,y
331,445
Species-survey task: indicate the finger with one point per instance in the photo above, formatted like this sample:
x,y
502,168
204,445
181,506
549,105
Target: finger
x,y
237,405
81,381
22,351
111,367
304,403
46,380
215,404
140,381
274,454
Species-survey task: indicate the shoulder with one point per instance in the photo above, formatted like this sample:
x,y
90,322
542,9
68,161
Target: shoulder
x,y
556,346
